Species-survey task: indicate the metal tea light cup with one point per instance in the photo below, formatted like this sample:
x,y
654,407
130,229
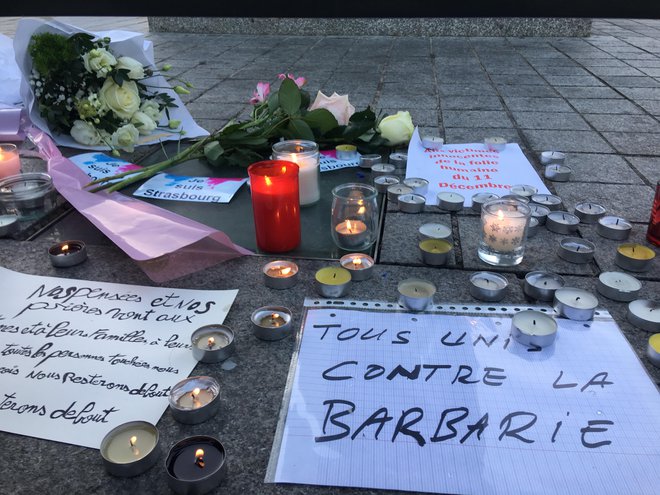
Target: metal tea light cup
x,y
130,448
533,328
575,304
488,286
541,285
67,253
416,294
199,479
435,252
360,265
280,274
212,343
194,399
271,322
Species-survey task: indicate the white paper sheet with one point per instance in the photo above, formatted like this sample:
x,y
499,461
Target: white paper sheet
x,y
469,411
193,189
470,168
78,358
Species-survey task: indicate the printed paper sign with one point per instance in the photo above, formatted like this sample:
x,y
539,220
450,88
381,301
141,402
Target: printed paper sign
x,y
451,404
196,189
99,165
467,169
78,358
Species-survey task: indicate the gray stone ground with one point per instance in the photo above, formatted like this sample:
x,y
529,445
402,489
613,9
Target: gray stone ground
x,y
596,98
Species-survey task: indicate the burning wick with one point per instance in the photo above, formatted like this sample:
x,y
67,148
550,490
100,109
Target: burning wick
x,y
132,441
65,249
199,457
357,262
194,395
211,342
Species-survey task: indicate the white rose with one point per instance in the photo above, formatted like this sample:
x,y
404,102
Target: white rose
x,y
397,128
135,68
152,109
125,138
337,105
143,122
123,100
85,133
99,61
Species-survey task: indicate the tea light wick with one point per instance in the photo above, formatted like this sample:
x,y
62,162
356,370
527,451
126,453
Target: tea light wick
x,y
276,319
211,342
132,441
577,298
199,458
65,249
357,261
193,396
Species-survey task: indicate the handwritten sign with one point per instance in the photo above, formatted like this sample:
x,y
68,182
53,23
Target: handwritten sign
x,y
78,358
193,189
451,404
470,168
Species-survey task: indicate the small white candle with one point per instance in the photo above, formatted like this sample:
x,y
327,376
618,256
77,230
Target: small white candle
x,y
450,201
495,143
418,184
550,201
618,286
552,157
644,314
575,304
533,328
488,286
432,142
416,294
523,190
557,172
561,222
615,228
589,212
479,199
433,230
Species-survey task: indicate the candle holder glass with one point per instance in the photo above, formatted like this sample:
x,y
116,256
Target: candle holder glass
x,y
305,154
354,216
28,196
504,225
10,162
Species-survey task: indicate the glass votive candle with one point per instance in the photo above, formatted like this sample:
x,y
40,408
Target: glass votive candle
x,y
194,399
271,322
10,162
503,231
354,216
305,154
212,343
360,265
130,448
29,196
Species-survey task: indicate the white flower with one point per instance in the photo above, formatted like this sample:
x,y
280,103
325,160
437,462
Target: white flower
x,y
143,122
152,109
99,61
135,68
125,138
337,105
397,128
123,100
85,133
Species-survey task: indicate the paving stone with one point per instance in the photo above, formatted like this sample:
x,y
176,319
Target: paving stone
x,y
550,120
524,103
604,105
633,143
595,167
651,106
476,102
445,89
527,90
573,81
629,201
476,118
478,134
642,93
616,71
649,167
580,141
587,92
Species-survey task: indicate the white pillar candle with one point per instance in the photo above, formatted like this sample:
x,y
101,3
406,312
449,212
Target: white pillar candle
x,y
306,155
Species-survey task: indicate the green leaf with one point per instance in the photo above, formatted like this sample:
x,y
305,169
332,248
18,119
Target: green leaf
x,y
298,129
213,152
321,119
289,97
273,102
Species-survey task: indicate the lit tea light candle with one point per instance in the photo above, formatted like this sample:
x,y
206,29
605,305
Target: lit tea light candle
x,y
634,257
383,169
369,160
575,304
548,157
434,230
360,265
533,227
396,190
196,465
130,448
346,152
280,274
589,212
194,399
450,201
488,286
432,142
557,173
8,225
67,253
539,212
416,294
615,228
417,184
542,285
644,314
435,252
333,281
533,328
562,222
212,343
653,349
271,322
550,201
618,286
495,143
10,162
479,199
382,182
351,233
523,190
576,250
411,203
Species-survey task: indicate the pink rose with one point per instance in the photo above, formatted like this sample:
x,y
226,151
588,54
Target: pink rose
x,y
337,105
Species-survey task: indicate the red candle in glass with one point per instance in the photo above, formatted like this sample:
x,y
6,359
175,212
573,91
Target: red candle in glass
x,y
275,204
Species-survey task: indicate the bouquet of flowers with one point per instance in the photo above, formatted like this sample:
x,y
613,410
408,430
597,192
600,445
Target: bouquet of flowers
x,y
94,91
286,113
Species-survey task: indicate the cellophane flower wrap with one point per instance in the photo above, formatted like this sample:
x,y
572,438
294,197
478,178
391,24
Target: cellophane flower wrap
x,y
97,91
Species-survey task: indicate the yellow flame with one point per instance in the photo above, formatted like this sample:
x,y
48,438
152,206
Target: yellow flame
x,y
357,261
349,226
268,181
211,341
500,215
133,440
65,248
285,271
195,392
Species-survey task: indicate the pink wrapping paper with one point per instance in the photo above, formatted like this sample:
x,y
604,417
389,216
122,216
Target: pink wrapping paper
x,y
165,245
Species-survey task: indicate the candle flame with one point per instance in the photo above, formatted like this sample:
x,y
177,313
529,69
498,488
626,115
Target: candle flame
x,y
65,248
199,457
211,341
349,226
268,181
357,261
195,393
299,149
362,210
500,215
132,440
285,271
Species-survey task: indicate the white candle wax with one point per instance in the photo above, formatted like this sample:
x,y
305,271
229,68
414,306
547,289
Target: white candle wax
x,y
417,288
305,154
523,190
130,444
10,163
576,298
435,231
197,398
212,341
